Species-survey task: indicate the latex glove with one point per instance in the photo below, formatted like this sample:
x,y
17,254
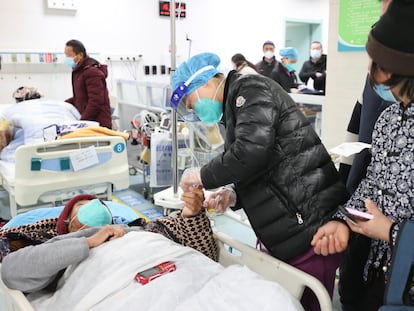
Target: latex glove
x,y
190,179
221,199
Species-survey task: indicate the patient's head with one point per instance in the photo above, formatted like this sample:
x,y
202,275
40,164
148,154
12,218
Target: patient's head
x,y
26,93
84,210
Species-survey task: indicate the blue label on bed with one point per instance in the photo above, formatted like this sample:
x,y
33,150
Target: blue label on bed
x,y
119,147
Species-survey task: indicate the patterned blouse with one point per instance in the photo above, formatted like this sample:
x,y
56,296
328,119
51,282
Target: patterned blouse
x,y
390,178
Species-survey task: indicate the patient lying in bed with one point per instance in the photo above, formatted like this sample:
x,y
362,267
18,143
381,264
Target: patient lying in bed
x,y
70,271
190,227
27,118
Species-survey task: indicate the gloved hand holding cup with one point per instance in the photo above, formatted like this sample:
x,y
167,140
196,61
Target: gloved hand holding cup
x,y
221,199
190,179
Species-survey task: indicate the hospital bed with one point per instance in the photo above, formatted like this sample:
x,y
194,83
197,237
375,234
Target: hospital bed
x,y
35,173
231,252
54,171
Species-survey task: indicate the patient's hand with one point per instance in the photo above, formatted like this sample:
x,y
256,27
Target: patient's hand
x,y
193,202
106,233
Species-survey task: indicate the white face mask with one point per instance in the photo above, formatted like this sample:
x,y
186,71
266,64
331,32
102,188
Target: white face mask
x,y
269,54
314,53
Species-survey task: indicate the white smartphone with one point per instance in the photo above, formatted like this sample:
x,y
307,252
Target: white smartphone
x,y
354,214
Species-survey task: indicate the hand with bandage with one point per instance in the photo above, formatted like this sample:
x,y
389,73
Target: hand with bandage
x,y
221,199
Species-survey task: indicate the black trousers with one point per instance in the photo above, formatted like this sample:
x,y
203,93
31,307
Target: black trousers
x,y
352,288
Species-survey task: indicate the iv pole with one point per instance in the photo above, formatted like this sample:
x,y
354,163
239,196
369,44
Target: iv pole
x,y
168,198
174,113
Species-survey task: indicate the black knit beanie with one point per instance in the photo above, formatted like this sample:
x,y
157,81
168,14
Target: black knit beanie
x,y
391,41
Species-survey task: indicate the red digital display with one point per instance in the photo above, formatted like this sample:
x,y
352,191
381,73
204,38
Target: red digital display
x,y
179,9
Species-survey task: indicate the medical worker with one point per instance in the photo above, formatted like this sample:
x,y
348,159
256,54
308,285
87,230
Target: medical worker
x,y
283,176
284,72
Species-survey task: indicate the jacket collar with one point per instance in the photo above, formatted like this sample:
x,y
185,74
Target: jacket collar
x,y
233,75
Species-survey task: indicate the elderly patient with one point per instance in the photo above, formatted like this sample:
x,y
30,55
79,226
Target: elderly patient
x,y
35,256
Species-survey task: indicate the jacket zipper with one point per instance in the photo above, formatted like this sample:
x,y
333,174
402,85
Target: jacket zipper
x,y
290,207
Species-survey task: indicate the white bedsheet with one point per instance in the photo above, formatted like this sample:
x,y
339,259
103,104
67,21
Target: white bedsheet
x,y
105,281
7,171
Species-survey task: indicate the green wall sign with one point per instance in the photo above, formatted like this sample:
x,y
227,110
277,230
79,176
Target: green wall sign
x,y
356,18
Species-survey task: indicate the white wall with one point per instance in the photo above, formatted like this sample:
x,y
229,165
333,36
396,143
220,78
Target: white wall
x,y
126,27
134,27
346,73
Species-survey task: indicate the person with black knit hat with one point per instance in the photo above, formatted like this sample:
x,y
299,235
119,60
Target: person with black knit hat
x,y
387,191
367,109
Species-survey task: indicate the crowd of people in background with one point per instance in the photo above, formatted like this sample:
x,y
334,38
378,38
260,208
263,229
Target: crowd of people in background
x,y
312,74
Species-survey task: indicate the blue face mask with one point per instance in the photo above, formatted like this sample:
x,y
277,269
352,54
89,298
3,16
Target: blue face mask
x,y
70,62
385,93
290,67
208,110
94,213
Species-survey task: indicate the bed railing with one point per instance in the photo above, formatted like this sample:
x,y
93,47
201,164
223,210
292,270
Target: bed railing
x,y
54,171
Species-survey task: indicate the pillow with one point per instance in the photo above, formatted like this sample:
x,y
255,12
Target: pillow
x,y
122,214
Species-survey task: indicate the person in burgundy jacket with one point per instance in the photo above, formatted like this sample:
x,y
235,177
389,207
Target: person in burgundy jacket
x,y
90,94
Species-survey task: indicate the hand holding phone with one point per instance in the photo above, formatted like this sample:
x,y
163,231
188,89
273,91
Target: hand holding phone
x,y
355,215
150,274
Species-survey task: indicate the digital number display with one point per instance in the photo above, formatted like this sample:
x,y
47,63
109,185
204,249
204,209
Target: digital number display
x,y
179,9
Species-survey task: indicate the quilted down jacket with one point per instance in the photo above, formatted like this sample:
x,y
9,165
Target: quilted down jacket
x,y
283,175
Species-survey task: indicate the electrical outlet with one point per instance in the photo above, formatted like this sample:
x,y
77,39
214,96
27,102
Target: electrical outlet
x,y
123,58
62,4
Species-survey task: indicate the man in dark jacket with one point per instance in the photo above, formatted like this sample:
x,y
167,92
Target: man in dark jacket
x,y
315,67
90,94
283,176
269,62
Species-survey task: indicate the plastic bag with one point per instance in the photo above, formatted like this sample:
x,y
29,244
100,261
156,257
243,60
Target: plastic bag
x,y
161,172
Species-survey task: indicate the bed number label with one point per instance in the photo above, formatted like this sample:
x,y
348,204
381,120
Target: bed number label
x,y
84,158
119,147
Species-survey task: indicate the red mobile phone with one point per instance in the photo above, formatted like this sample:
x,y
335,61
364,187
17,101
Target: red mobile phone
x,y
150,274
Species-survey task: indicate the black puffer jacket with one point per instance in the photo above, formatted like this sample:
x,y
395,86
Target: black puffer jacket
x,y
284,177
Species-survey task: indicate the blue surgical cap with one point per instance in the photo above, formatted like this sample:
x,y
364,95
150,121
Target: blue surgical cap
x,y
289,52
201,68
